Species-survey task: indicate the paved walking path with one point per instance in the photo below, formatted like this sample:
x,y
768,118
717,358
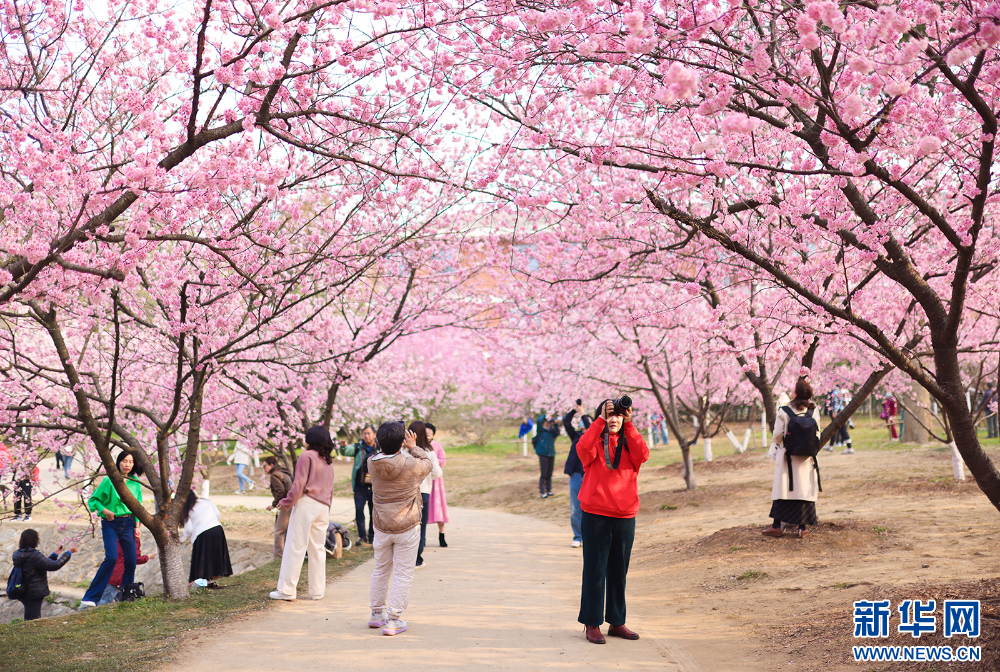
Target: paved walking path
x,y
503,596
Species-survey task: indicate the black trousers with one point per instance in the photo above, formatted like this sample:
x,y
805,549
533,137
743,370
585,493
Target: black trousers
x,y
607,549
32,608
545,464
363,496
424,512
22,494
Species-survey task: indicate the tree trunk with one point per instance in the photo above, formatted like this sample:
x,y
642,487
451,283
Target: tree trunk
x,y
917,418
770,410
708,449
962,426
175,575
687,465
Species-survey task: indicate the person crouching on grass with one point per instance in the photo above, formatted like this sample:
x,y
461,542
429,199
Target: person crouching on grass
x,y
609,498
396,472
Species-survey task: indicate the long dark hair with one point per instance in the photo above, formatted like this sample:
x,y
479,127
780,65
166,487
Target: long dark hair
x,y
600,412
136,467
803,395
318,439
189,503
29,539
622,443
420,429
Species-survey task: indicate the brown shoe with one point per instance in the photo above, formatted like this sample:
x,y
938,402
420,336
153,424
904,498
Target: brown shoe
x,y
772,532
594,635
803,532
622,631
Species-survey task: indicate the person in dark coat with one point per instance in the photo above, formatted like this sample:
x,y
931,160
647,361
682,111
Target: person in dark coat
x,y
280,482
574,469
36,568
545,448
361,482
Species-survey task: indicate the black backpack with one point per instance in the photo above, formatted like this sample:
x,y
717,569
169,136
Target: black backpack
x,y
801,440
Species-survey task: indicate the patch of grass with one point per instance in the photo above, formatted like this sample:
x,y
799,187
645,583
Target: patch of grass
x,y
753,575
668,507
880,530
840,586
495,448
737,548
139,636
239,508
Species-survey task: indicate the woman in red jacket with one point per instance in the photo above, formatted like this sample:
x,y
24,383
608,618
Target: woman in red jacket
x,y
609,499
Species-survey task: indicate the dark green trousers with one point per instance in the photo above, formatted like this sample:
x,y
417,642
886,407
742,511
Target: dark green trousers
x,y
607,548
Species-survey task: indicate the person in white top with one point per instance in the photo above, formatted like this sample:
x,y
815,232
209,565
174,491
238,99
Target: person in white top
x,y
241,457
420,429
209,552
793,498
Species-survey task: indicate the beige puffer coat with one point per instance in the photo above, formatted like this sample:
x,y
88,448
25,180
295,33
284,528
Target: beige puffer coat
x,y
396,489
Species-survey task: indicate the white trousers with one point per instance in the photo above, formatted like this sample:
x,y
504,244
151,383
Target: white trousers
x,y
306,531
395,557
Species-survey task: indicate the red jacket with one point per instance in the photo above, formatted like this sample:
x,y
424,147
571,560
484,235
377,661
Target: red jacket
x,y
610,492
119,570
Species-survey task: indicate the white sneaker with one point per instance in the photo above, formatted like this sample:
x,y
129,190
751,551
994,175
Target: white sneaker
x,y
16,518
275,595
394,627
87,604
577,543
252,485
237,492
26,518
849,451
314,597
378,619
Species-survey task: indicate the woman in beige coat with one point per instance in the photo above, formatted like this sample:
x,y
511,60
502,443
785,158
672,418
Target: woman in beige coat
x,y
796,505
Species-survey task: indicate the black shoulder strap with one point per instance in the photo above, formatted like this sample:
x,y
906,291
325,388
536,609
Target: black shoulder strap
x,y
791,482
622,447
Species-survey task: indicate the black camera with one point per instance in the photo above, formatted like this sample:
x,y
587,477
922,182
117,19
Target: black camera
x,y
579,402
622,405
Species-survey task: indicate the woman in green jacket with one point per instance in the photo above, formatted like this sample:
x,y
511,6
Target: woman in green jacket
x,y
118,526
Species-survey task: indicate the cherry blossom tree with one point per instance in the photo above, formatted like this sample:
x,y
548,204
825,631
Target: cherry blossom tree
x,y
843,151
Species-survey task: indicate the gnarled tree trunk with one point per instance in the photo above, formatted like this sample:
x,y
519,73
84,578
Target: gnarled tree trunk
x,y
175,574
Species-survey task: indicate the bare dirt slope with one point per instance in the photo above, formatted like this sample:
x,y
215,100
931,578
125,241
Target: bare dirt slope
x,y
893,523
706,590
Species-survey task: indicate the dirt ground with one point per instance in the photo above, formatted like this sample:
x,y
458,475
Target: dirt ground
x,y
894,523
713,593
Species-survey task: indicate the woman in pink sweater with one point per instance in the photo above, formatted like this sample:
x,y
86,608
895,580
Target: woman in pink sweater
x,y
309,500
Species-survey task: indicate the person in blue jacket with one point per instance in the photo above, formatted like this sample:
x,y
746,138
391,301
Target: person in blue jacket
x,y
574,469
545,448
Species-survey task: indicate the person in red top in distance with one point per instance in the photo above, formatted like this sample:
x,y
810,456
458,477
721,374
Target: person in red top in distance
x,y
609,498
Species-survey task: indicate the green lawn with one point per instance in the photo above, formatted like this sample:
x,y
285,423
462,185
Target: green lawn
x,y
140,636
